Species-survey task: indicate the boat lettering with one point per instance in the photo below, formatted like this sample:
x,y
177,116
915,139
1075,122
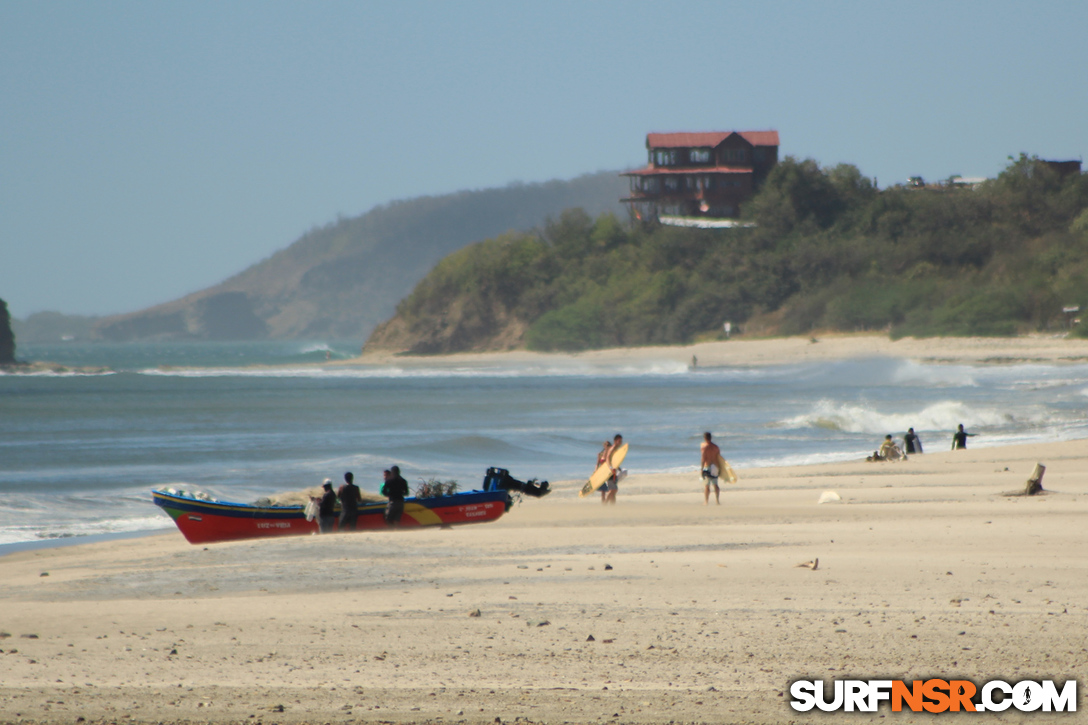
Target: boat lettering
x,y
194,518
274,525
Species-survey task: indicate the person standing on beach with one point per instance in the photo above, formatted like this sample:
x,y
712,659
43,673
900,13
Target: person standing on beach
x,y
612,485
709,454
326,509
395,489
350,497
602,459
911,442
959,439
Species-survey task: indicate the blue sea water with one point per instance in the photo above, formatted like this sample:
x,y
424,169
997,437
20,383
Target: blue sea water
x,y
80,453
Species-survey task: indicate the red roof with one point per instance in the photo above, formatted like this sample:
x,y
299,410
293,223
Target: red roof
x,y
708,139
654,170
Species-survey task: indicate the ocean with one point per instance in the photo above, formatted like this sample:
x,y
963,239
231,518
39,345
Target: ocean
x,y
80,453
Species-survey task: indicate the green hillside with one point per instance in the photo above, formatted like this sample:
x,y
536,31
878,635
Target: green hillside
x,y
342,279
828,252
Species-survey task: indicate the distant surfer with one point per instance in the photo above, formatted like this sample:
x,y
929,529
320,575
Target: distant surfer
x,y
612,485
350,497
959,438
911,442
326,509
709,464
395,489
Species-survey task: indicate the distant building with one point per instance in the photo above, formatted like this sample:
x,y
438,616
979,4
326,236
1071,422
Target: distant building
x,y
1064,168
701,174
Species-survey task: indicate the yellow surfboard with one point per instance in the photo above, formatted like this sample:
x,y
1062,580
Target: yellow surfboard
x,y
603,472
725,470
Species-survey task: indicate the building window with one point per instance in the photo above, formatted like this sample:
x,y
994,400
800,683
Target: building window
x,y
665,157
732,155
759,154
699,156
671,183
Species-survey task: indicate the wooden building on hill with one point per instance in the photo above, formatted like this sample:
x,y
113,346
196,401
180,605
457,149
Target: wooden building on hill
x,y
701,174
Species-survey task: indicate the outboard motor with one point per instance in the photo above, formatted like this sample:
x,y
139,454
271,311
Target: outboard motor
x,y
498,479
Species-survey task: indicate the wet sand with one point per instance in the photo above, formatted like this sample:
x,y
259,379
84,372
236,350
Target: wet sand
x,y
658,609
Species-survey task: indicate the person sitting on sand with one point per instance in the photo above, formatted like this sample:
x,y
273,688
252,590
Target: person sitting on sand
x,y
889,451
911,442
959,438
709,463
326,509
350,497
395,489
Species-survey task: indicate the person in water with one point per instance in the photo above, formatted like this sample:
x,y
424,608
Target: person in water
x,y
395,489
350,497
611,486
959,438
709,453
326,509
911,442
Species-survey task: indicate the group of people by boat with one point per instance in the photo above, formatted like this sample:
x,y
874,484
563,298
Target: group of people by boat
x,y
890,451
350,497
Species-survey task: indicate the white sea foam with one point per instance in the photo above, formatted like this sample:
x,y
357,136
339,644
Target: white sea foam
x,y
53,530
437,372
908,372
862,418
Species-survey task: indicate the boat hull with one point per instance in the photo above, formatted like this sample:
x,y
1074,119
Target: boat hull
x,y
203,522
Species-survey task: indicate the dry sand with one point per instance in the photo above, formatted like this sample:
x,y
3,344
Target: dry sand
x,y
838,346
697,614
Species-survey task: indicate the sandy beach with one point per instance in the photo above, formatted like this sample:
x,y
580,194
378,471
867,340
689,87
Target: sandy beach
x,y
769,351
656,610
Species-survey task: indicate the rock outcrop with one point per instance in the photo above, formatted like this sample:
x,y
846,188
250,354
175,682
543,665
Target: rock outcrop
x,y
7,337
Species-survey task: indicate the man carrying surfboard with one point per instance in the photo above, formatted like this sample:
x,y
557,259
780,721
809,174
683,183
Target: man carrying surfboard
x,y
711,470
608,474
611,486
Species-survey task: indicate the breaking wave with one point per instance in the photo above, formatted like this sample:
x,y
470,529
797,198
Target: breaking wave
x,y
860,418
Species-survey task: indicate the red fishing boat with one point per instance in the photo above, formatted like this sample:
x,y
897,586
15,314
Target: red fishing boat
x,y
203,519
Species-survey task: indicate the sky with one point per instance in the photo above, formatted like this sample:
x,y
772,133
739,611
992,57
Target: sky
x,y
152,149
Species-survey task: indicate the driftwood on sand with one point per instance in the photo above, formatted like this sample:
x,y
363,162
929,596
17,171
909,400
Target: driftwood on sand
x,y
1034,485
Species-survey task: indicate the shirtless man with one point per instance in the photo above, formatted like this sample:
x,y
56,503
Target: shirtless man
x,y
709,466
612,484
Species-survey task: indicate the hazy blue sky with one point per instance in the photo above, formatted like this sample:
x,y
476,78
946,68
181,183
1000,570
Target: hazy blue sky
x,y
151,149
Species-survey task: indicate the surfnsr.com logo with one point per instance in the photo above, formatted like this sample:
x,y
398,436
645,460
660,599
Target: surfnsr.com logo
x,y
934,695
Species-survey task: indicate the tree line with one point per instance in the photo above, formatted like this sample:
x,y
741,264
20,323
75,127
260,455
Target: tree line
x,y
828,251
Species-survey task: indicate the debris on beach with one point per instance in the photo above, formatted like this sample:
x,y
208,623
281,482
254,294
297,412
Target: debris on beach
x,y
475,613
1034,485
814,564
829,497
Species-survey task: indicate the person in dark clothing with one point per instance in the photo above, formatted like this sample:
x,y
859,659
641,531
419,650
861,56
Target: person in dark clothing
x,y
395,489
326,509
959,438
911,442
350,497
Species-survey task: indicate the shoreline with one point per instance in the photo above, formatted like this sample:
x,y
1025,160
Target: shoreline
x,y
780,350
654,610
